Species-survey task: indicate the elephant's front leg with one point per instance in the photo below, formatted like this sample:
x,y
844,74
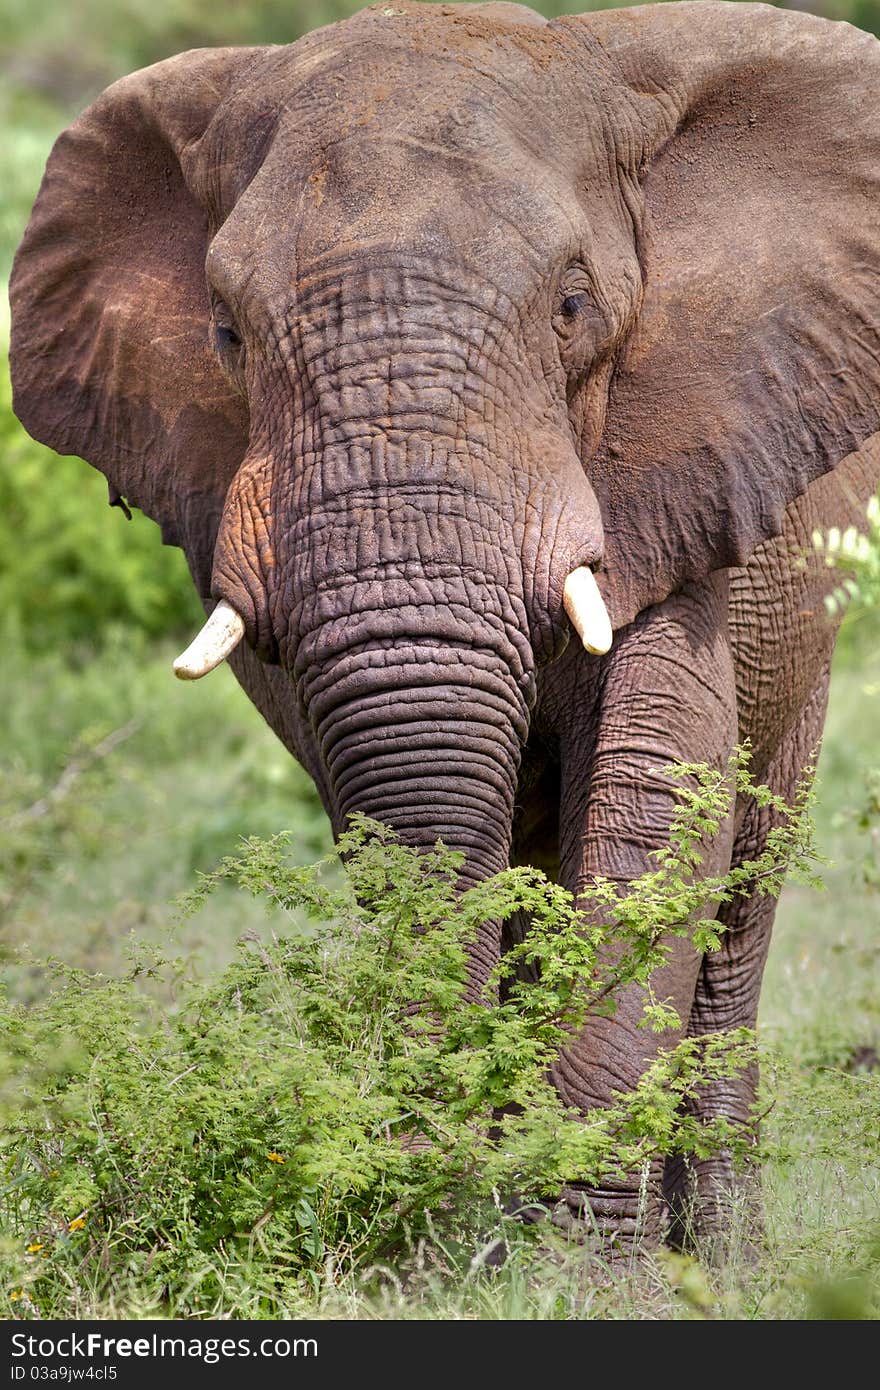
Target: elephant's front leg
x,y
666,694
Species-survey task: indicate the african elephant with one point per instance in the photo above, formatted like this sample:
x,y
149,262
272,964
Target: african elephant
x,y
447,328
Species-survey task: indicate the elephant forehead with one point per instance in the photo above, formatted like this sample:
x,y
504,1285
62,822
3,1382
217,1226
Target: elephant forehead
x,y
501,217
372,106
397,191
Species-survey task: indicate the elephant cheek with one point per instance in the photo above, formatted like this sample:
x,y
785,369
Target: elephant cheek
x,y
245,561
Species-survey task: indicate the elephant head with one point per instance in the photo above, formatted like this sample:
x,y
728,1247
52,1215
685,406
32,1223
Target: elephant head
x,y
406,329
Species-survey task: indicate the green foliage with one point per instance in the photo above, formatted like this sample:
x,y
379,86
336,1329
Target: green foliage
x,y
655,908
336,1090
858,553
71,569
30,126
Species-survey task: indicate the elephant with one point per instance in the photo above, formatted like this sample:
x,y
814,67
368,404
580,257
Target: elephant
x,y
493,373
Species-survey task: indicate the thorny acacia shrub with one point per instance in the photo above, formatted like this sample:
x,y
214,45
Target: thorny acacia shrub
x,y
270,1115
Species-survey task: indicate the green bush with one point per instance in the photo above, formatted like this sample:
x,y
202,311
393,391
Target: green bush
x,y
70,568
298,1117
857,553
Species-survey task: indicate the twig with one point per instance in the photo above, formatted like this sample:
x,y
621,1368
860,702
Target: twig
x,y
74,769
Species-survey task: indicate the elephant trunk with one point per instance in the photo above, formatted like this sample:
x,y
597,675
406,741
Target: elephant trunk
x,y
421,728
433,758
424,736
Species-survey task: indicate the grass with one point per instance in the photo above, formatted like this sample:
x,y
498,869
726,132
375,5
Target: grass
x,y
194,770
820,998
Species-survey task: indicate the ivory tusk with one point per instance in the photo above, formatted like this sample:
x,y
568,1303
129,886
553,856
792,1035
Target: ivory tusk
x,y
586,609
218,638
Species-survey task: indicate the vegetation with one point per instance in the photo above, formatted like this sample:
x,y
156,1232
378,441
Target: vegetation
x,y
857,553
135,1185
298,1119
242,1144
71,574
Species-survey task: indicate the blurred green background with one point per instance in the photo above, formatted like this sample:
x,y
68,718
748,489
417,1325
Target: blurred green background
x,y
119,783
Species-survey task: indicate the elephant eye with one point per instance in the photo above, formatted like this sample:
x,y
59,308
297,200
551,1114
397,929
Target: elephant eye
x,y
574,304
227,337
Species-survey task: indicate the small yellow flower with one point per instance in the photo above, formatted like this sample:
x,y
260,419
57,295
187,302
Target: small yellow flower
x,y
273,1157
77,1223
37,1245
16,1295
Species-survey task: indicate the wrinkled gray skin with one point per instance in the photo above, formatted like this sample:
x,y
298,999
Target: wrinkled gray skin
x,y
395,327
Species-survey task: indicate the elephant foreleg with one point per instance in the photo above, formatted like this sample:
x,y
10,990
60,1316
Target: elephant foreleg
x,y
667,694
706,1195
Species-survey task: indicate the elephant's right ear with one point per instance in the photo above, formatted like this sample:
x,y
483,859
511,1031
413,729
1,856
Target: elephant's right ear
x,y
110,349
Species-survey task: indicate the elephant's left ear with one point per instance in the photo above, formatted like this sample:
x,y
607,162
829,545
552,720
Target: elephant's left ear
x,y
755,364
